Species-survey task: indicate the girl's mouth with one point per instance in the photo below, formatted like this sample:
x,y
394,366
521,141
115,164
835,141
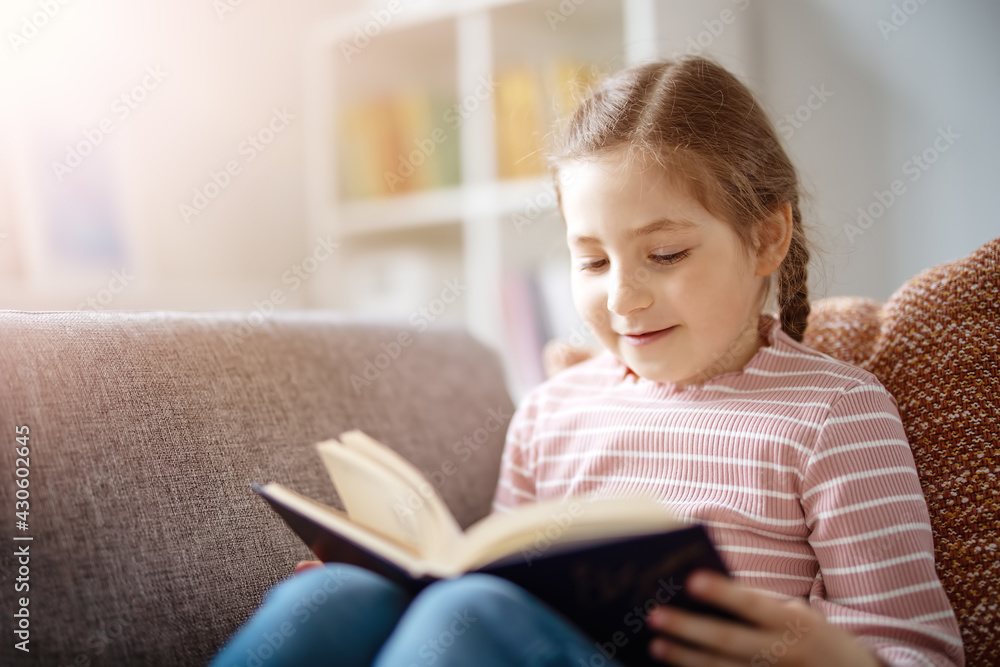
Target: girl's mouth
x,y
647,338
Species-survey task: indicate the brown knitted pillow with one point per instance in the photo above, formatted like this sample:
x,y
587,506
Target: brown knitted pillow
x,y
934,345
844,327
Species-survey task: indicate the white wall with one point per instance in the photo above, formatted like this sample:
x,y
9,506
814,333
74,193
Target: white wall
x,y
226,74
891,94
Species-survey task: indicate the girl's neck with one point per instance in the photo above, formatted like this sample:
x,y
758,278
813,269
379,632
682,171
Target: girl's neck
x,y
752,337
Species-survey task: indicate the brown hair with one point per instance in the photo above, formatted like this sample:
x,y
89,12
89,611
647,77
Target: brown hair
x,y
693,115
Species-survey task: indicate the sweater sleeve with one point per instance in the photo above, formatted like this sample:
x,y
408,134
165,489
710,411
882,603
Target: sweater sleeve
x,y
871,533
516,484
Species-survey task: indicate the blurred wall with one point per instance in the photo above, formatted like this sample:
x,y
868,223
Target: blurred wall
x,y
212,77
221,77
912,95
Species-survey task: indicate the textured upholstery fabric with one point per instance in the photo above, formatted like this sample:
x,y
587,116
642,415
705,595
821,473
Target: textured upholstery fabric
x,y
147,428
935,345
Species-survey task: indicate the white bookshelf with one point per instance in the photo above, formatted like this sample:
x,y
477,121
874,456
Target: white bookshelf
x,y
467,229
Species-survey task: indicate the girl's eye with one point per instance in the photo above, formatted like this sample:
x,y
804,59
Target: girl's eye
x,y
671,259
662,259
593,265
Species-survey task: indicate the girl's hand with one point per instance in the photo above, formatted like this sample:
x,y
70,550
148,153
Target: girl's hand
x,y
306,564
558,356
787,630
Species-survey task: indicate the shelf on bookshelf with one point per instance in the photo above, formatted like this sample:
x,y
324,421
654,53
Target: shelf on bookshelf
x,y
414,209
527,198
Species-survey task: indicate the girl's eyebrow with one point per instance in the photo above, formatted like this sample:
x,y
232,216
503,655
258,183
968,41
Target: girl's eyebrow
x,y
656,226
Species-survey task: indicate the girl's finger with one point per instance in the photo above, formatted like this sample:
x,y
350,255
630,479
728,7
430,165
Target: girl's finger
x,y
673,653
306,564
763,610
729,638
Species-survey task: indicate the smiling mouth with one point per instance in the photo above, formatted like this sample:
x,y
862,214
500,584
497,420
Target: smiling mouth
x,y
647,333
648,338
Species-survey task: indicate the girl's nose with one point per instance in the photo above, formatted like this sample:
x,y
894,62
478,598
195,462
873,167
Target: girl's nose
x,y
627,292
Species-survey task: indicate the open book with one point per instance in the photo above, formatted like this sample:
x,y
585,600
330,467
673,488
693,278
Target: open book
x,y
601,562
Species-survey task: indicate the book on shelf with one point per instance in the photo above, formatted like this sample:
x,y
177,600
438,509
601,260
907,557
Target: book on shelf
x,y
520,123
569,82
396,144
408,140
600,562
531,101
363,147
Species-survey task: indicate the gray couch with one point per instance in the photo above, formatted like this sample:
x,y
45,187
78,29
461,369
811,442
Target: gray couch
x,y
146,429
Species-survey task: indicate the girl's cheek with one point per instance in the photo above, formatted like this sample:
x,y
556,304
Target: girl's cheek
x,y
595,315
597,307
586,298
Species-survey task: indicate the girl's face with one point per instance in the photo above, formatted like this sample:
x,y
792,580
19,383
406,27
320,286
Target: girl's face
x,y
648,259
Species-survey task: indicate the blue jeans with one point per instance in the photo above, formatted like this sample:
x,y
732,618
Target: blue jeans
x,y
343,615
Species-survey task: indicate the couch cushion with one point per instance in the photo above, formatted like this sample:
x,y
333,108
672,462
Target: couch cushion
x,y
935,345
844,327
147,429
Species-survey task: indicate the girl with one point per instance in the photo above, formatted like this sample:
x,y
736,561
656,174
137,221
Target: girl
x,y
681,209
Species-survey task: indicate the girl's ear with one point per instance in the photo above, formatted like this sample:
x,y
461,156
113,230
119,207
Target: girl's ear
x,y
773,236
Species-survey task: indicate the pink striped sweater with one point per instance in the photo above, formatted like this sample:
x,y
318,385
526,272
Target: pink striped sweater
x,y
798,465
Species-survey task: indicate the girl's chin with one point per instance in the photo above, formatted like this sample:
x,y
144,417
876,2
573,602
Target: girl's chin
x,y
654,372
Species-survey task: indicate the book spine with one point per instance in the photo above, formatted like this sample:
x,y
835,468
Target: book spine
x,y
330,547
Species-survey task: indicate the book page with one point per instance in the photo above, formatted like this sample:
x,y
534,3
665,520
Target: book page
x,y
380,499
375,497
425,496
562,521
